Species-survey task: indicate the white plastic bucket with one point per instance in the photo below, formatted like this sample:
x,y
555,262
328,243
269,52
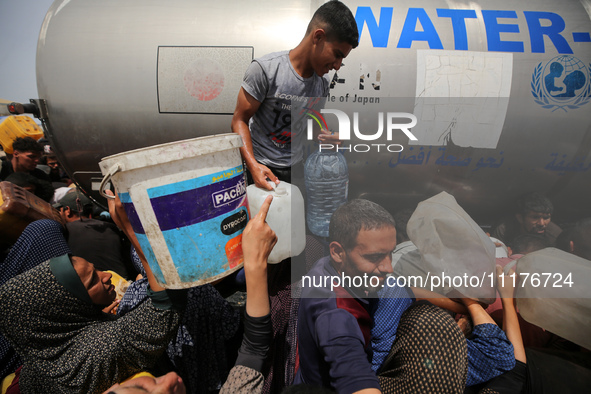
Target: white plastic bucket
x,y
186,202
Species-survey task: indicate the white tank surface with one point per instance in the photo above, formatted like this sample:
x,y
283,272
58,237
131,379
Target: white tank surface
x,y
118,76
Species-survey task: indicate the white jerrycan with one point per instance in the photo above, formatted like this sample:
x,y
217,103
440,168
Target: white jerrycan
x,y
286,217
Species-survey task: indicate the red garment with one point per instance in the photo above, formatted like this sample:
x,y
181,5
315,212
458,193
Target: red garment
x,y
14,387
351,305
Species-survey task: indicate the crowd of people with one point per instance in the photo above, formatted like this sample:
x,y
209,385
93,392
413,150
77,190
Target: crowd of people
x,y
33,169
66,329
82,312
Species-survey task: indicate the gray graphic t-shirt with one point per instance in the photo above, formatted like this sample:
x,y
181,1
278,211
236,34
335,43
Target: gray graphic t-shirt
x,y
273,82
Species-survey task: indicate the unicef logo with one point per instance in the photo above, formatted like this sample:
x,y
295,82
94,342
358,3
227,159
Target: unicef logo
x,y
562,83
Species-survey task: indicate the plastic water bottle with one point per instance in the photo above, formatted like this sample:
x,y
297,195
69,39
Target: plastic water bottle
x,y
285,217
327,186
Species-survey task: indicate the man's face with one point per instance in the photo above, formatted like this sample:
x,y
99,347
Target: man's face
x,y
372,255
329,55
26,161
534,222
97,283
53,164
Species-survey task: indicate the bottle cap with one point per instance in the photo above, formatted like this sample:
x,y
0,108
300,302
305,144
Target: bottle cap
x,y
281,191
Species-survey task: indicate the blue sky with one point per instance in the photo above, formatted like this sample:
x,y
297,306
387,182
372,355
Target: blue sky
x,y
20,22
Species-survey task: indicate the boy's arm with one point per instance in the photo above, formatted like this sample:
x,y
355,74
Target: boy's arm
x,y
439,300
510,319
477,312
246,107
258,241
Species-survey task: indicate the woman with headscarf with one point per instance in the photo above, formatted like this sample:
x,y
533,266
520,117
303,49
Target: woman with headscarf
x,y
245,377
52,315
40,241
199,350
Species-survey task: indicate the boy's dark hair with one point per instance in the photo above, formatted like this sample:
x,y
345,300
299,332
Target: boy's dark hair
x,y
564,238
354,216
26,144
23,179
535,202
44,158
527,243
338,23
580,235
43,189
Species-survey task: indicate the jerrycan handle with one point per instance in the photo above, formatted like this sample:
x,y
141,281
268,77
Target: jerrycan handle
x,y
112,171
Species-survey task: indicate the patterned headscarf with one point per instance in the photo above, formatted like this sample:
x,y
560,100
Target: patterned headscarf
x,y
66,275
40,241
199,350
72,346
428,355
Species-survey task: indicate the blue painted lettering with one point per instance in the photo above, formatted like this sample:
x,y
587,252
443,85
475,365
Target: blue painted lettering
x,y
410,34
379,33
581,37
494,30
537,31
540,24
458,22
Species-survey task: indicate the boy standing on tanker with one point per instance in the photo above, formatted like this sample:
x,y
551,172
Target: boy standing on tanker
x,y
263,111
263,119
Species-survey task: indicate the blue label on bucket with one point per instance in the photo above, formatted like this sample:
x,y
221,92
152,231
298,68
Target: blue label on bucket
x,y
201,221
134,219
191,215
149,253
190,184
198,204
141,236
200,251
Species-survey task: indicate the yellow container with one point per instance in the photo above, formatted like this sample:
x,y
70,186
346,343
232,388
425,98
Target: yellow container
x,y
14,127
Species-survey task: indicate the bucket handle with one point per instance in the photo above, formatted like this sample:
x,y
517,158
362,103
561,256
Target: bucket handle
x,y
112,171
